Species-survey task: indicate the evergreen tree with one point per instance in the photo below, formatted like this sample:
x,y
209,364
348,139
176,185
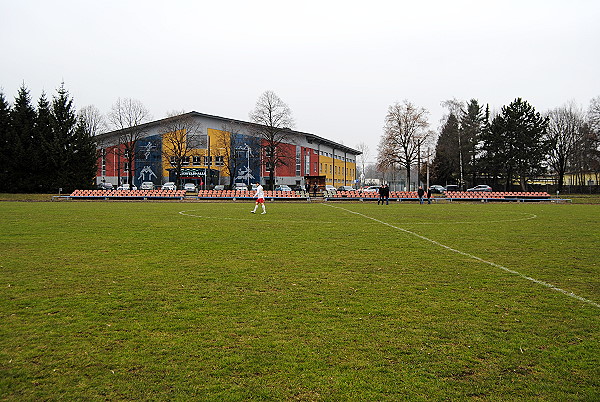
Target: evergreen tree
x,y
445,167
20,144
42,139
515,146
471,127
61,146
4,141
84,162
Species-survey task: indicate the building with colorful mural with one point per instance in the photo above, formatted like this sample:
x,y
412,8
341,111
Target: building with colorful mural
x,y
213,150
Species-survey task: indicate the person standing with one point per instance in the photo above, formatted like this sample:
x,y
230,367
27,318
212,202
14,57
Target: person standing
x,y
381,191
260,199
429,195
386,194
420,193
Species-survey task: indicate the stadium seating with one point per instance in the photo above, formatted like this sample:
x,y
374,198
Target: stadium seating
x,y
128,194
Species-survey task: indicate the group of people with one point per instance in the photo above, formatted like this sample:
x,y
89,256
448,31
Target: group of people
x,y
384,195
421,193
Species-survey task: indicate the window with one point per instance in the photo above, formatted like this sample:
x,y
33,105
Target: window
x,y
104,162
126,167
219,161
298,161
269,166
185,160
321,168
207,160
196,160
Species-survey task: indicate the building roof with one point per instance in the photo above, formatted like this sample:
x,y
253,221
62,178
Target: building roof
x,y
310,138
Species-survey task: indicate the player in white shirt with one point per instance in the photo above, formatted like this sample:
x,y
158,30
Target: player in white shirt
x,y
260,199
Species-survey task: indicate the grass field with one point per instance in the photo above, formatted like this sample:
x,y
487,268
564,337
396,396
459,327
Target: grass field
x,y
348,301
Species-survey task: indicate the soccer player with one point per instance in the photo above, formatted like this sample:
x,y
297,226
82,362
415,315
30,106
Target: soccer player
x,y
260,199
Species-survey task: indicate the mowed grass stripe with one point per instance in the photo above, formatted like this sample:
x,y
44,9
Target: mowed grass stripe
x,y
136,301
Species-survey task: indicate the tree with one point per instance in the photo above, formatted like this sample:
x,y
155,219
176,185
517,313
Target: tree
x,y
44,135
20,143
68,149
92,120
129,116
405,131
5,144
273,119
516,143
445,166
84,156
181,136
364,157
564,132
471,126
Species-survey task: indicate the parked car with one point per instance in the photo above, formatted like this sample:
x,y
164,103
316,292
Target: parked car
x,y
240,187
126,187
219,187
189,187
345,188
371,189
105,186
169,186
329,188
147,185
452,187
481,188
437,189
283,187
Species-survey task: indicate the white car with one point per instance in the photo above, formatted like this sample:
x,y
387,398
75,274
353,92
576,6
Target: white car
x,y
189,187
330,189
169,186
240,187
147,185
126,187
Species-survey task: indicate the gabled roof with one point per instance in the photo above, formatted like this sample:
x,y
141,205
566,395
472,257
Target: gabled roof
x,y
310,138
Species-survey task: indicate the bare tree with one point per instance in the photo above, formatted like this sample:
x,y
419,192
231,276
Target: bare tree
x,y
93,121
564,129
364,156
405,133
274,121
128,117
182,136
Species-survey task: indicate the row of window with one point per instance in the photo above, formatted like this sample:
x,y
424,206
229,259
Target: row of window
x,y
338,169
199,160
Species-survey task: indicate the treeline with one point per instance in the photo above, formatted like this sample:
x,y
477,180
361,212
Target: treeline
x,y
46,147
514,148
517,146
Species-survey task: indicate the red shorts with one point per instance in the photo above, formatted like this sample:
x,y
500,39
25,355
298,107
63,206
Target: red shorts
x,y
260,200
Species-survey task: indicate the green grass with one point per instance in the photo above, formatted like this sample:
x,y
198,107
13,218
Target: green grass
x,y
133,300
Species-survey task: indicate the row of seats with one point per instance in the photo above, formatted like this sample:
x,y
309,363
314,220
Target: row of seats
x,y
248,194
128,193
497,194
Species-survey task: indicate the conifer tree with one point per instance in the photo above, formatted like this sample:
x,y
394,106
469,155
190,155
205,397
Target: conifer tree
x,y
20,142
445,166
4,141
515,145
42,138
60,149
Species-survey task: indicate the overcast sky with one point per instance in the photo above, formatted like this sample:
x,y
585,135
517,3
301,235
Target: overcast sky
x,y
337,64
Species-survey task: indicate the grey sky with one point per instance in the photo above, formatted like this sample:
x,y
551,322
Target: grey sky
x,y
337,64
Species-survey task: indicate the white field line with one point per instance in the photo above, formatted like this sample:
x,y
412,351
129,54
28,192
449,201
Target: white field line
x,y
539,282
